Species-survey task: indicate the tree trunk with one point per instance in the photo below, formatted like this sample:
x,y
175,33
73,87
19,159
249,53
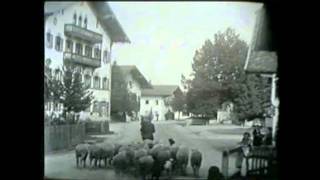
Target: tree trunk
x,y
179,115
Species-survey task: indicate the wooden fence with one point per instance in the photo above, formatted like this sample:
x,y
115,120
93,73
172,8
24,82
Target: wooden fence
x,y
61,137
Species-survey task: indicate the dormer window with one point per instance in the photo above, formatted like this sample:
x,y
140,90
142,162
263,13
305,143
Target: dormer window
x,y
75,18
85,23
80,21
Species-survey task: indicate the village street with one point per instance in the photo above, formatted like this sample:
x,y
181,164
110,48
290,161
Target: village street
x,y
210,140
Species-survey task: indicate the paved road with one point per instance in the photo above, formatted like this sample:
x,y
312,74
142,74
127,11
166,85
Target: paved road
x,y
62,165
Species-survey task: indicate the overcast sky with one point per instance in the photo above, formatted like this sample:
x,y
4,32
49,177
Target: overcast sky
x,y
165,35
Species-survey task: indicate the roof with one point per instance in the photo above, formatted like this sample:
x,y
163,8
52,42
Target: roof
x,y
262,62
136,74
160,90
108,19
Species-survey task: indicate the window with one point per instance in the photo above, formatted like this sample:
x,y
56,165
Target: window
x,y
147,101
104,83
49,40
108,88
88,51
75,18
157,102
69,46
79,49
97,53
87,81
55,21
85,23
105,56
80,21
130,84
96,82
59,43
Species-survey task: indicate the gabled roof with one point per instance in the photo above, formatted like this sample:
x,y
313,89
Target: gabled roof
x,y
262,62
105,14
136,74
160,90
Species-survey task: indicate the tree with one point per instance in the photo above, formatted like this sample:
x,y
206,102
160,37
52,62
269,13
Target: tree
x,y
219,76
76,97
121,99
178,102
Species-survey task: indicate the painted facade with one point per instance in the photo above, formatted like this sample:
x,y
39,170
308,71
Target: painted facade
x,y
75,34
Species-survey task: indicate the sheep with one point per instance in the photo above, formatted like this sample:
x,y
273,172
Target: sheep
x,y
94,154
81,152
107,152
196,159
120,162
161,156
182,159
149,142
145,166
168,167
173,151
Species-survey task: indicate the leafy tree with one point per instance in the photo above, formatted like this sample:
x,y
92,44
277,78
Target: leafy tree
x,y
178,102
121,99
76,97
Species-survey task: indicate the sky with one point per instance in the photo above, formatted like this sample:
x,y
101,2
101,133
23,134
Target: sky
x,y
165,35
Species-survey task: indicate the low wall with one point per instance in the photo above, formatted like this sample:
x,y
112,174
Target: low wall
x,y
61,137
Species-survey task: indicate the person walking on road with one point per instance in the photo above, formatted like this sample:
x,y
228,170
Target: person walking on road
x,y
147,130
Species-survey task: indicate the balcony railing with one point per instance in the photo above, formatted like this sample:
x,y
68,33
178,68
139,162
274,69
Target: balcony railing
x,y
82,33
79,59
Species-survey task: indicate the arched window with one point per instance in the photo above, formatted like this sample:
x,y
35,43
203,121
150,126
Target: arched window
x,y
85,23
69,45
59,43
75,18
49,41
79,49
96,82
80,21
104,83
87,81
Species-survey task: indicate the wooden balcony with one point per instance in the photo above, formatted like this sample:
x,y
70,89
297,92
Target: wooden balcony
x,y
82,33
83,60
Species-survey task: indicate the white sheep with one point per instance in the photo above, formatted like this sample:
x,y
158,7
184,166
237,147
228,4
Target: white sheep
x,y
81,152
94,154
120,162
182,159
106,153
196,159
145,166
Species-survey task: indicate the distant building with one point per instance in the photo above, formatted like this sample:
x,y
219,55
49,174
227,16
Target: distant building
x,y
135,81
82,34
157,100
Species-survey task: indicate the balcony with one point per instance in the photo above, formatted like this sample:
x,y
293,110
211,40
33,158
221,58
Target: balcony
x,y
82,33
83,60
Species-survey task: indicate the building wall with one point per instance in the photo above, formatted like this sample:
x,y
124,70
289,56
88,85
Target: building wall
x,y
66,17
160,108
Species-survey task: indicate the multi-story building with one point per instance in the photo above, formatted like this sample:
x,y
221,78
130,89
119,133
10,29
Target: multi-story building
x,y
262,59
82,34
135,81
156,100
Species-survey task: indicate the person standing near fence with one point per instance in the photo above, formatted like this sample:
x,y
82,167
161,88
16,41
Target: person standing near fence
x,y
244,150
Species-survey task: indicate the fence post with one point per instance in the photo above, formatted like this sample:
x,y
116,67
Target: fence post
x,y
225,163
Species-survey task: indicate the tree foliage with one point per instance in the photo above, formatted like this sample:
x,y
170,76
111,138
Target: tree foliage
x,y
121,99
66,89
218,76
178,102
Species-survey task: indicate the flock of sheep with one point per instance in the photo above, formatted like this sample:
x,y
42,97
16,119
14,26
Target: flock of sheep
x,y
148,159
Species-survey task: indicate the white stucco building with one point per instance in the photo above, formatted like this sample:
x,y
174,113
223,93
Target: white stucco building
x,y
82,34
156,100
135,82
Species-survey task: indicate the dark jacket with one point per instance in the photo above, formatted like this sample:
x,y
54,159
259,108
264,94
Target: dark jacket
x,y
147,130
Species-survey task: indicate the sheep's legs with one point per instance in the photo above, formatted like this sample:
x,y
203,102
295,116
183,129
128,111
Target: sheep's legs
x,y
77,161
